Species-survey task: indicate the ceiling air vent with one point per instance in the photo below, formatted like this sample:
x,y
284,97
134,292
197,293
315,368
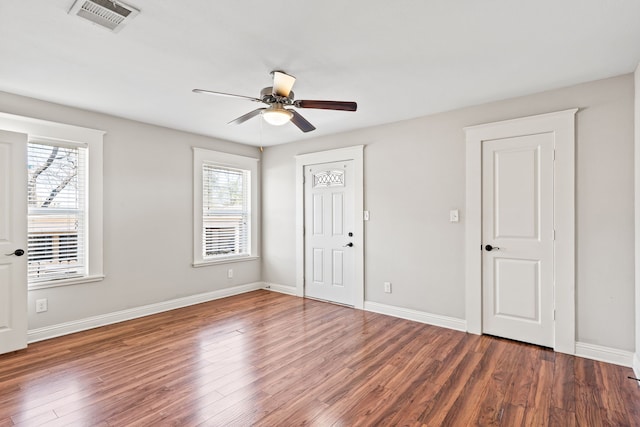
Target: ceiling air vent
x,y
106,13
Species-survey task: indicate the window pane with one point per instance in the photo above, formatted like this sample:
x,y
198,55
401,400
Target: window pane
x,y
225,212
56,195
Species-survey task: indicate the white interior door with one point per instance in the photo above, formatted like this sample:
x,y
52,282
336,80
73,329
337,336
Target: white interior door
x,y
13,240
329,203
517,236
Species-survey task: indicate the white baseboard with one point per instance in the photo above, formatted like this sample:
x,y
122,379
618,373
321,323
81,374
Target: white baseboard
x,y
417,316
605,354
636,366
58,330
283,289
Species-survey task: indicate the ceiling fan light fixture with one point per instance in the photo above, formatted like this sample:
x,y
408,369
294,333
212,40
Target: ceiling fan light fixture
x,y
276,115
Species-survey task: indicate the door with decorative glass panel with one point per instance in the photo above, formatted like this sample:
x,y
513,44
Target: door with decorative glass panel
x,y
13,240
329,203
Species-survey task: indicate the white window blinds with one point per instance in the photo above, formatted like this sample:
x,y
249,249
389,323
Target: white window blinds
x,y
226,212
57,200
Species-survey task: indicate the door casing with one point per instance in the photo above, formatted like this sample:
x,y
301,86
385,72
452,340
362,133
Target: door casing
x,y
354,153
562,125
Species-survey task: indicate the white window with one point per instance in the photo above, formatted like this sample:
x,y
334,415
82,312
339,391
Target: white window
x,y
57,200
65,201
225,207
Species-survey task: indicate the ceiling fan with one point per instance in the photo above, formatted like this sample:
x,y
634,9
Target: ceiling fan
x,y
277,98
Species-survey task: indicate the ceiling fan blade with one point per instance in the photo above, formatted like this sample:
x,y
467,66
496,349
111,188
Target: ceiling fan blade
x,y
327,105
282,83
230,95
247,116
301,122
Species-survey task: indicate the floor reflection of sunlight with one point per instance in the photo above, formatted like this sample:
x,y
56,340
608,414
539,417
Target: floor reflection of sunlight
x,y
43,400
224,366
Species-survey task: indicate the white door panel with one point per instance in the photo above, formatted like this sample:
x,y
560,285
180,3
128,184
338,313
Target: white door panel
x,y
517,289
13,235
517,216
337,279
329,218
515,191
318,214
337,210
318,265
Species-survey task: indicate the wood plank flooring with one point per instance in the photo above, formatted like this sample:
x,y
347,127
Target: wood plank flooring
x,y
268,359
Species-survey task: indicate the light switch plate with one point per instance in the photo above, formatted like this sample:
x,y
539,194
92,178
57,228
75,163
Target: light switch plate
x,y
454,215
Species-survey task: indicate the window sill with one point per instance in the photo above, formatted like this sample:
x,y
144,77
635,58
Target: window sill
x,y
66,282
224,261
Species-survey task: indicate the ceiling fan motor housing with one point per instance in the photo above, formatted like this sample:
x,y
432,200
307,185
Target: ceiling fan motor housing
x,y
268,97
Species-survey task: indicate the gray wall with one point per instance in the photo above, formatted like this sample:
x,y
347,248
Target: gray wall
x,y
148,225
414,174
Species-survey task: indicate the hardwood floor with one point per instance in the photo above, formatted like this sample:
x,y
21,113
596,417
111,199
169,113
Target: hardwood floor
x,y
268,359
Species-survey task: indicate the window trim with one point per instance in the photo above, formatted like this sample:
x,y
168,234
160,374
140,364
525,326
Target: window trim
x,y
71,135
217,158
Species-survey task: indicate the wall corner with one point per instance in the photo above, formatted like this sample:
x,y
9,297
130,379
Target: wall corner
x,y
636,147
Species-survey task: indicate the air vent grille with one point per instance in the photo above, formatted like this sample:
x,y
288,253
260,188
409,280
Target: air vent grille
x,y
106,13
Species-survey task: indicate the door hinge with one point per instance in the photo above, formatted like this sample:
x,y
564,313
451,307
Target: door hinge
x,y
554,154
554,234
554,314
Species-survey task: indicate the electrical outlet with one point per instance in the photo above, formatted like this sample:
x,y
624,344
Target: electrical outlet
x,y
41,305
230,273
387,287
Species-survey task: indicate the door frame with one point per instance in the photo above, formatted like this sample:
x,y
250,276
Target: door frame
x,y
562,125
355,153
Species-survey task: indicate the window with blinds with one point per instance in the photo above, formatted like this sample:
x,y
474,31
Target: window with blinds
x,y
225,212
57,204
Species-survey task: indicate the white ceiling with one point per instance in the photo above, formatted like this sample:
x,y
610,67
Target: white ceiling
x,y
398,59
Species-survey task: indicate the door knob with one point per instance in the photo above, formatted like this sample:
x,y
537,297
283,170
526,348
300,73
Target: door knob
x,y
17,252
348,245
491,248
